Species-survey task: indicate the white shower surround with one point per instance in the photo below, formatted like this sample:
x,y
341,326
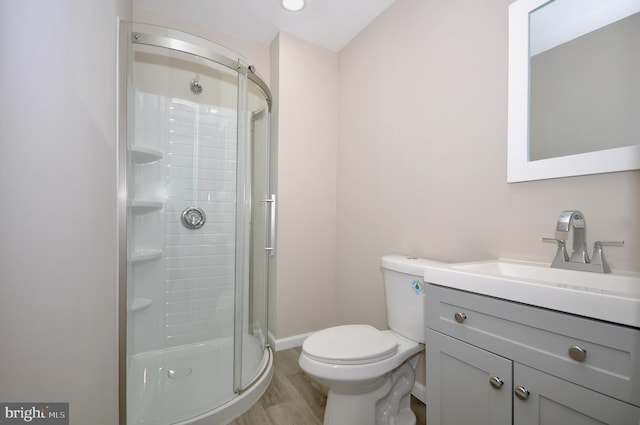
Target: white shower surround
x,y
182,283
192,288
200,264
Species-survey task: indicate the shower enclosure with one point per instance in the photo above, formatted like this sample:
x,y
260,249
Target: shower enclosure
x,y
196,230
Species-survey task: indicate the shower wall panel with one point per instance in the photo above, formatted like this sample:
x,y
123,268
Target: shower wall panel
x,y
199,264
192,286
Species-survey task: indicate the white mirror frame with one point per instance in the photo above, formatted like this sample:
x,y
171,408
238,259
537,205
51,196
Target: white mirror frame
x,y
519,168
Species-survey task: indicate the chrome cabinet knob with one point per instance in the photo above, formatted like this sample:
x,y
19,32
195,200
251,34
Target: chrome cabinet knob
x,y
496,382
460,316
521,392
577,353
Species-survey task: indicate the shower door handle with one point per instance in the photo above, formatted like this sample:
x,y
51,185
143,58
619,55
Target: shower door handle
x,y
271,232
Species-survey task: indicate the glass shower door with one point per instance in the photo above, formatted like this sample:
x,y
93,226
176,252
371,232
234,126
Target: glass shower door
x,y
196,309
263,221
253,320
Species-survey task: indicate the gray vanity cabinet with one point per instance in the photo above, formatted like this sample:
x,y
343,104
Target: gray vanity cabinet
x,y
555,401
495,362
458,382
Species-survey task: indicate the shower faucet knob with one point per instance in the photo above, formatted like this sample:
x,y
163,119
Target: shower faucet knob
x,y
193,218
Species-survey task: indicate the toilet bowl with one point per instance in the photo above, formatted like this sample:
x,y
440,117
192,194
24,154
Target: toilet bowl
x,y
369,372
358,381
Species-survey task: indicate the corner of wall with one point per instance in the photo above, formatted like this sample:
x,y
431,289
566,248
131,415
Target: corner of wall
x,y
304,84
274,73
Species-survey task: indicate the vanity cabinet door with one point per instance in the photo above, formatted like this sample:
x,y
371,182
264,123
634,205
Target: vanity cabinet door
x,y
542,399
465,384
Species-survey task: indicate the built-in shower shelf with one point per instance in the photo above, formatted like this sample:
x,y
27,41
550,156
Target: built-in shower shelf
x,y
141,155
140,303
145,205
140,255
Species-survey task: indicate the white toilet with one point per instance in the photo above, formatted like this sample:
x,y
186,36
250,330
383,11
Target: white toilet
x,y
370,373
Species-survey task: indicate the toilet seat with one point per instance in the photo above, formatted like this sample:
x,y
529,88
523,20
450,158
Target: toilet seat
x,y
350,344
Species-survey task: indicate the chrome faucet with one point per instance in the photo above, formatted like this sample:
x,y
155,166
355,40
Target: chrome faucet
x,y
575,220
579,258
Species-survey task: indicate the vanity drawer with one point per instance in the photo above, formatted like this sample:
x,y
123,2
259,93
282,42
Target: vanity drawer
x,y
598,355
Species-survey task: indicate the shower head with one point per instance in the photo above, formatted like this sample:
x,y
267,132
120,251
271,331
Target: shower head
x,y
195,86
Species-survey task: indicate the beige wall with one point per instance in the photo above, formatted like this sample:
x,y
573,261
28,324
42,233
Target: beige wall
x,y
58,256
305,76
422,155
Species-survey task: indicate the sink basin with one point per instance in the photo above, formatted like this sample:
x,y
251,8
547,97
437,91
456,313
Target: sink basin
x,y
614,297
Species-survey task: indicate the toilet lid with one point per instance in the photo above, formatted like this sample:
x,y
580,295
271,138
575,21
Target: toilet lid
x,y
350,344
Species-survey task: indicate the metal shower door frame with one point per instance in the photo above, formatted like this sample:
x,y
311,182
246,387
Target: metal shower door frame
x,y
126,35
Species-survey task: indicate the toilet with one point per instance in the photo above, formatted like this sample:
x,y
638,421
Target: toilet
x,y
369,372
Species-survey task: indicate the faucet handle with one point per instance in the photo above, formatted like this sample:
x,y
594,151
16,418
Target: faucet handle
x,y
607,243
597,258
561,254
560,242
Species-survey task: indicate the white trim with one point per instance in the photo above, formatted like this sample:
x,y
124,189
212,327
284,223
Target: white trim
x,y
288,342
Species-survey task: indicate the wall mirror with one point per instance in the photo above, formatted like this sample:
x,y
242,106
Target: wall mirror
x,y
574,88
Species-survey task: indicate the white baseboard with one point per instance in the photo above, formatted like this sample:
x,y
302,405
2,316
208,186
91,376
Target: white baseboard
x,y
288,342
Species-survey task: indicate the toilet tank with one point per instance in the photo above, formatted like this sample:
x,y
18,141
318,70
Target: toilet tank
x,y
404,294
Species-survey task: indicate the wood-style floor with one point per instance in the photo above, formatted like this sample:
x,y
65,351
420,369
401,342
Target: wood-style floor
x,y
295,399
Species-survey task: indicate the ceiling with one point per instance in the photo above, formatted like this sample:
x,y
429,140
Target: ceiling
x,y
327,23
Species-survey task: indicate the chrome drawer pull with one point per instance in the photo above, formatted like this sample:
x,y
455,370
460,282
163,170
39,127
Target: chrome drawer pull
x,y
459,316
496,382
522,393
578,354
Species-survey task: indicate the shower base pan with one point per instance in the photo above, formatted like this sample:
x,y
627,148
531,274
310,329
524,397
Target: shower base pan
x,y
193,384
